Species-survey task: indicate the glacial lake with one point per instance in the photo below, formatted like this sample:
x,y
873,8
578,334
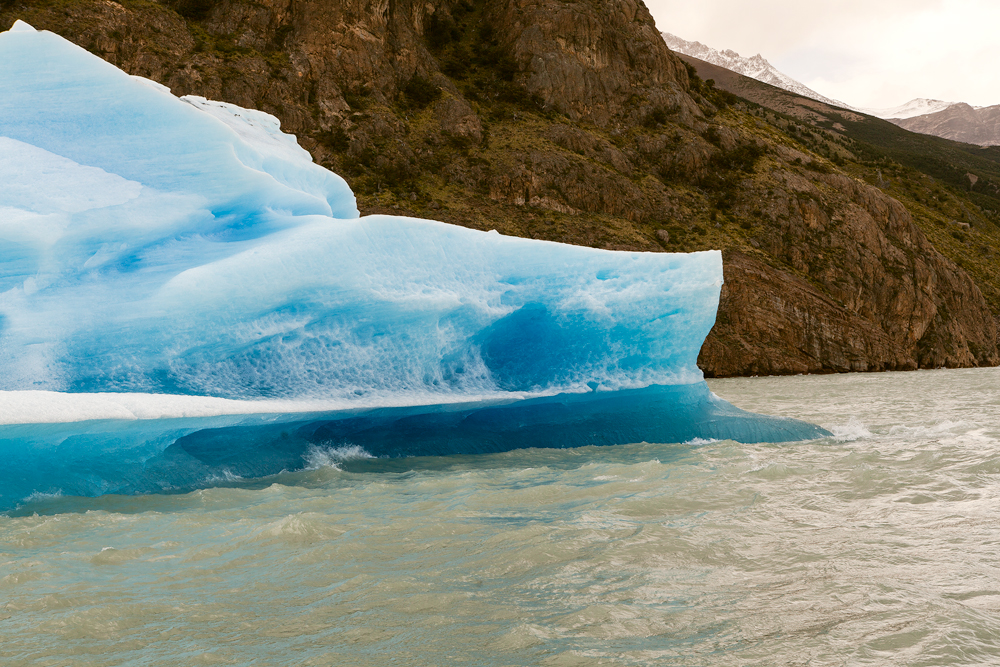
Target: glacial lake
x,y
880,546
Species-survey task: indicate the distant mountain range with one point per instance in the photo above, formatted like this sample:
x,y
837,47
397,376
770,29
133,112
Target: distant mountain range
x,y
952,120
959,122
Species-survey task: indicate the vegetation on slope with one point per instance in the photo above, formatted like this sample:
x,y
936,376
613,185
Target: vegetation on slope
x,y
951,189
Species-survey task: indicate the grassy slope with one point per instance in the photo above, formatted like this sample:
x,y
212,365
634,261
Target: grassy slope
x,y
926,174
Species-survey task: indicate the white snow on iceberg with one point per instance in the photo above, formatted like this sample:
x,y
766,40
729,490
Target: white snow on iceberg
x,y
165,246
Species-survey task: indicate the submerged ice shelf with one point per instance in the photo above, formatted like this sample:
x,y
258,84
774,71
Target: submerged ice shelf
x,y
151,245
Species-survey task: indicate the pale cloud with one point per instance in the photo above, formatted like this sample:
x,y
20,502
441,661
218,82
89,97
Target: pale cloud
x,y
865,53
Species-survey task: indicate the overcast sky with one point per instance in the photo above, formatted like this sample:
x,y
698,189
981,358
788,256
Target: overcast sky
x,y
867,53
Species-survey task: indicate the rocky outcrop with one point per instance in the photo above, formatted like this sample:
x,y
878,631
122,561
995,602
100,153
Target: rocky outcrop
x,y
771,322
570,121
591,60
868,292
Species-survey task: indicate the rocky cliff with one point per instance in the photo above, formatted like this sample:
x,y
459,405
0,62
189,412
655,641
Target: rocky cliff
x,y
573,121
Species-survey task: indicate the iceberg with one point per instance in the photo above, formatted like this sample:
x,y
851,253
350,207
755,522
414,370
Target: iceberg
x,y
186,297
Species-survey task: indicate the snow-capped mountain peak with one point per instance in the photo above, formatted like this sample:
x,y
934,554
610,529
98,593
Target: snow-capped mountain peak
x,y
756,67
918,107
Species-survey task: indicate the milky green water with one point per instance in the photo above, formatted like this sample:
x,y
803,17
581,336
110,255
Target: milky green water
x,y
879,546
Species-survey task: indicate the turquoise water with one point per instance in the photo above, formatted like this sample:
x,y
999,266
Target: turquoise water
x,y
876,546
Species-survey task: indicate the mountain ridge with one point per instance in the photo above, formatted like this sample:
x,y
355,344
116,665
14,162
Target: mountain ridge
x,y
916,107
756,67
957,121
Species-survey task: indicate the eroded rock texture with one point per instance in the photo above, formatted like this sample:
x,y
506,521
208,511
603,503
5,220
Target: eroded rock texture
x,y
871,292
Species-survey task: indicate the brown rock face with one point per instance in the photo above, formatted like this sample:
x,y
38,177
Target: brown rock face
x,y
886,299
333,52
570,121
588,59
774,323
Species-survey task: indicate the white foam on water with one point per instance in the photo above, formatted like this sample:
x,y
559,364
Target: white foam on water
x,y
330,457
851,431
226,476
39,496
946,427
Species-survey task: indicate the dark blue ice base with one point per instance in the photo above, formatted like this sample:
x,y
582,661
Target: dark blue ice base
x,y
112,456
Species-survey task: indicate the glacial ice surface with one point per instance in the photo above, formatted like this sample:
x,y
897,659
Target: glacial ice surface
x,y
185,259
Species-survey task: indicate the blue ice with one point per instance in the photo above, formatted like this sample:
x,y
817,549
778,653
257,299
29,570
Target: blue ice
x,y
189,250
